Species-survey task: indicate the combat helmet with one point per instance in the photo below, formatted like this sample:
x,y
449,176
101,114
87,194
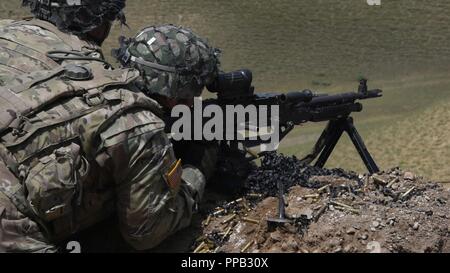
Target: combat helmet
x,y
173,61
77,16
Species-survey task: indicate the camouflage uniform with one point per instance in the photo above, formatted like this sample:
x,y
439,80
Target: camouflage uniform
x,y
175,63
79,143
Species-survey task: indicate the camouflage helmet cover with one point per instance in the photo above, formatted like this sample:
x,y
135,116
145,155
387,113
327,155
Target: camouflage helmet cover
x,y
77,16
173,61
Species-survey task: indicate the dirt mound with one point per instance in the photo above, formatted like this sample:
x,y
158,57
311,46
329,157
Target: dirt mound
x,y
331,211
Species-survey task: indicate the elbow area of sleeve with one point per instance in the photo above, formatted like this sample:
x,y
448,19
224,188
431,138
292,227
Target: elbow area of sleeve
x,y
158,225
148,210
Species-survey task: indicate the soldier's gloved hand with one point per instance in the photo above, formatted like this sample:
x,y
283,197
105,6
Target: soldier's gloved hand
x,y
195,180
202,155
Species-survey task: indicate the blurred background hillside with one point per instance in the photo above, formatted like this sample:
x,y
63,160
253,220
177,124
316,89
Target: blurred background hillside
x,y
402,47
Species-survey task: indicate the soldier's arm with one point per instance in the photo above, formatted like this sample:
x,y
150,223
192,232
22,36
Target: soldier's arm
x,y
149,207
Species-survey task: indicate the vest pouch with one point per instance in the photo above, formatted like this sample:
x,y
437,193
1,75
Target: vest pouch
x,y
54,183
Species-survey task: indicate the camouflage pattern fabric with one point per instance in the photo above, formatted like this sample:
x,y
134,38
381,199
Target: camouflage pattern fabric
x,y
179,62
24,44
82,150
17,232
77,17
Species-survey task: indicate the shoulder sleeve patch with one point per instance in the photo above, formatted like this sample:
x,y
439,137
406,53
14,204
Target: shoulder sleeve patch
x,y
173,175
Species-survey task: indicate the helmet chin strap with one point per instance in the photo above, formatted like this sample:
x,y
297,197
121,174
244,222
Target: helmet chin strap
x,y
143,62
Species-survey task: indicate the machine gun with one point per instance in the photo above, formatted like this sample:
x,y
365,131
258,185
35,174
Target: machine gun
x,y
236,88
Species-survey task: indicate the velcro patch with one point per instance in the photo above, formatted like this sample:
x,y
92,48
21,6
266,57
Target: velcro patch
x,y
173,176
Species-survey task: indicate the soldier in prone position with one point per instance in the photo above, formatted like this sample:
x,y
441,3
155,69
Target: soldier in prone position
x,y
175,65
79,141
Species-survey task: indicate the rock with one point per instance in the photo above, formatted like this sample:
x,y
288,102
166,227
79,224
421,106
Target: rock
x,y
364,237
275,237
284,247
304,251
348,249
379,181
375,224
409,176
308,213
374,247
338,250
351,231
292,244
416,226
249,230
261,239
274,249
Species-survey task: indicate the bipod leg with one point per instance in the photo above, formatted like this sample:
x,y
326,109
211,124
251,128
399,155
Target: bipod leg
x,y
335,131
281,218
360,146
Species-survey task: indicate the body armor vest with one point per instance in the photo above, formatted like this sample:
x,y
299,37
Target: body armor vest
x,y
51,124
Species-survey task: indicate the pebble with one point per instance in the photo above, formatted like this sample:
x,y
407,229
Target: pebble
x,y
293,245
276,237
409,176
416,226
351,231
338,250
274,249
364,237
308,213
375,224
348,249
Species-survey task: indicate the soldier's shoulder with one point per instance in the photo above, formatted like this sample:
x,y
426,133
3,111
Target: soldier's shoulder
x,y
139,113
40,35
131,125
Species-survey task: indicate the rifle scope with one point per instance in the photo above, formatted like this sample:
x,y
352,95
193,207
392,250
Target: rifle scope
x,y
236,82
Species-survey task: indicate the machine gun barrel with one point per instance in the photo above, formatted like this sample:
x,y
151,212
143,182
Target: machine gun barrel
x,y
296,97
344,98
